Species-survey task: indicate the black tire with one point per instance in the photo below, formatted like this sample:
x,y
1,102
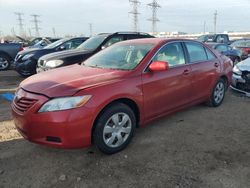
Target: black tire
x,y
102,122
214,100
6,60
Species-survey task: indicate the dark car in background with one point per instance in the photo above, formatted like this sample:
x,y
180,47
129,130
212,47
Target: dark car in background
x,y
244,46
218,38
26,61
233,54
8,51
85,50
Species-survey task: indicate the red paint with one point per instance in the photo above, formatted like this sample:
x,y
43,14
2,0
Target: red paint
x,y
156,93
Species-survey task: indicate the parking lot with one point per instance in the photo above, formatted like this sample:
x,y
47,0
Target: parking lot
x,y
197,147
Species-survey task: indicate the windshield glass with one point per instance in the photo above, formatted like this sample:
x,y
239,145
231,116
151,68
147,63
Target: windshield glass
x,y
121,57
55,44
205,38
241,43
93,42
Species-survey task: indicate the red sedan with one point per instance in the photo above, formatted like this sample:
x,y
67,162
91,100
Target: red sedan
x,y
122,87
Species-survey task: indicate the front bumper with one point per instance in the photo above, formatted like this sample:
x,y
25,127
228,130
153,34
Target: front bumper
x,y
240,84
25,68
61,129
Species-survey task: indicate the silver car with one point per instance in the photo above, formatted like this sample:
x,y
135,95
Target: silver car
x,y
241,77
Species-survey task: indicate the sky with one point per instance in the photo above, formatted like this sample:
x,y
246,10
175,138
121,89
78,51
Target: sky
x,y
72,17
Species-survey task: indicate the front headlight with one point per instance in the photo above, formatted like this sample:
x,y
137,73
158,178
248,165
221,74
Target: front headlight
x,y
26,57
64,103
53,63
236,70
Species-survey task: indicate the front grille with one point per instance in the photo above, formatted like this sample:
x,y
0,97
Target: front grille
x,y
18,57
246,76
23,104
243,86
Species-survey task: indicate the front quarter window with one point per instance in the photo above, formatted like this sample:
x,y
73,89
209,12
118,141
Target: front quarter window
x,y
120,57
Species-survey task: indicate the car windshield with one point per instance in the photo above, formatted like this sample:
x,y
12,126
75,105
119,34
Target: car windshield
x,y
120,57
205,38
241,43
55,44
93,42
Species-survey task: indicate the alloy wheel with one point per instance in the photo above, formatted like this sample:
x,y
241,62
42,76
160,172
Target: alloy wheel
x,y
219,92
3,63
117,130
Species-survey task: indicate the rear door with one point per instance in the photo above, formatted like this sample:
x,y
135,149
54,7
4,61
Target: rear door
x,y
205,68
166,90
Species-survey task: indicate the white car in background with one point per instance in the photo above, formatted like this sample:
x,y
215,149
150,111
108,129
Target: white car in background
x,y
241,77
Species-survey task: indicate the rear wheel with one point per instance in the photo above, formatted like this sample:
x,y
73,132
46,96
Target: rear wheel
x,y
114,128
4,62
218,93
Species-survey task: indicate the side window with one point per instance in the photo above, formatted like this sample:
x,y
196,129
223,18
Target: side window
x,y
66,45
113,40
196,52
76,43
171,53
210,55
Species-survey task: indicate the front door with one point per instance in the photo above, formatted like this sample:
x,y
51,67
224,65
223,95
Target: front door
x,y
166,90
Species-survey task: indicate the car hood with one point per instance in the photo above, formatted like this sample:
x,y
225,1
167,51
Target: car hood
x,y
33,50
66,81
64,54
244,65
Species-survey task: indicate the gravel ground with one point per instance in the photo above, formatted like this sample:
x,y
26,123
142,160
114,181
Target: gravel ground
x,y
197,147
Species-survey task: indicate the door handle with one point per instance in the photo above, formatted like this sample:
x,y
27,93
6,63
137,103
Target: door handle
x,y
216,64
186,72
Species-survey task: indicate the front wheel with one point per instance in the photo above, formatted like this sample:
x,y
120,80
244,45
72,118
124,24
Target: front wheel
x,y
218,93
114,128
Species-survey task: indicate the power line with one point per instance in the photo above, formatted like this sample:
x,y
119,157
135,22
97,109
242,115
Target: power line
x,y
20,23
215,21
36,21
154,6
134,12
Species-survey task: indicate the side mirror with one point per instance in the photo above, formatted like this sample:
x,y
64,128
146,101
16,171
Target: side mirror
x,y
158,66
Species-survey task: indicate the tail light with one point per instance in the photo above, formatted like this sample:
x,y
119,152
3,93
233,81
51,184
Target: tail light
x,y
246,51
21,48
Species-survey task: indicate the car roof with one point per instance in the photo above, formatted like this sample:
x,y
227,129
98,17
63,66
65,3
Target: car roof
x,y
158,40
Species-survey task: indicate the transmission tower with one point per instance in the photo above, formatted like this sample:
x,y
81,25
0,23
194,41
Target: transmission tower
x,y
215,21
154,6
20,23
36,21
134,12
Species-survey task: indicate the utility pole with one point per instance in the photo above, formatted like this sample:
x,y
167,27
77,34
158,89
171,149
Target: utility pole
x,y
134,12
204,27
20,23
154,6
90,29
36,21
54,31
215,21
30,32
13,31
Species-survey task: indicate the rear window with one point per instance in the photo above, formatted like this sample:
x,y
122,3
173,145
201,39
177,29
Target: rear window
x,y
196,52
